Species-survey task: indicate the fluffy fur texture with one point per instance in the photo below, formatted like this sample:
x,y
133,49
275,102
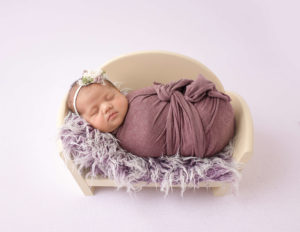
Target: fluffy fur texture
x,y
99,154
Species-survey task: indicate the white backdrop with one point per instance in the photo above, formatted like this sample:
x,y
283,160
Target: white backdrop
x,y
252,46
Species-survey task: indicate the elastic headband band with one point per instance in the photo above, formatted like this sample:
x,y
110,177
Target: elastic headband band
x,y
74,100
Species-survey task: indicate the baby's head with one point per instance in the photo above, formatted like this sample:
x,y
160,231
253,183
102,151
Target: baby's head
x,y
101,104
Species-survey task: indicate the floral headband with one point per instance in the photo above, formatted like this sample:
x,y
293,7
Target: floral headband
x,y
88,77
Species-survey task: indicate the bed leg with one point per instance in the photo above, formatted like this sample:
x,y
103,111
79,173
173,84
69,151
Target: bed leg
x,y
221,190
85,188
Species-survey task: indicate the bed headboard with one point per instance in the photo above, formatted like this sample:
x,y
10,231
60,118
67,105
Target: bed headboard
x,y
141,69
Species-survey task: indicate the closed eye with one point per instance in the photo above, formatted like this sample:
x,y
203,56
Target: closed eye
x,y
109,97
94,111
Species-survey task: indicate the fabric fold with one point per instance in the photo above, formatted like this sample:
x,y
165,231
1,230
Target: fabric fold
x,y
182,118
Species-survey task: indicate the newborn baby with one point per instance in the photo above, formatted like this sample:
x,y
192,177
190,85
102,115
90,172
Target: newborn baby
x,y
187,116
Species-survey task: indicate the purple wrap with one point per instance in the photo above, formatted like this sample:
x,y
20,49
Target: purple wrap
x,y
187,116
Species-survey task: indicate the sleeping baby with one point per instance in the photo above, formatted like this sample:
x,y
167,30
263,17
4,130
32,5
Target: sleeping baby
x,y
189,117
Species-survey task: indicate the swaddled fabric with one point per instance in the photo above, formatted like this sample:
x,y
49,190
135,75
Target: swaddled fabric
x,y
189,117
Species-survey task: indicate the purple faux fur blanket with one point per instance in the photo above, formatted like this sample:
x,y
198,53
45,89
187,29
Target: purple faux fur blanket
x,y
99,154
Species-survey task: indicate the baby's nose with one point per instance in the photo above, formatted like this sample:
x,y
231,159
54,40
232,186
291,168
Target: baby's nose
x,y
107,107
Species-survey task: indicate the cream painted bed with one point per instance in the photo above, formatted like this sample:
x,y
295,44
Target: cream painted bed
x,y
140,69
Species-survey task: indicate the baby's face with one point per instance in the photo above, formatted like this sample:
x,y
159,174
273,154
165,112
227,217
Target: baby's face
x,y
103,106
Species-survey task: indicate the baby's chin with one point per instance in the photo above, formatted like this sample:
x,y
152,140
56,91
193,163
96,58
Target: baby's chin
x,y
107,130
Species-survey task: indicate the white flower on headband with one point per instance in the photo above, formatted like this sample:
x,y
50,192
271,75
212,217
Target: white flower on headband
x,y
91,76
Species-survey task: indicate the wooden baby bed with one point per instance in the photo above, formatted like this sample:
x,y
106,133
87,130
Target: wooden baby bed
x,y
140,69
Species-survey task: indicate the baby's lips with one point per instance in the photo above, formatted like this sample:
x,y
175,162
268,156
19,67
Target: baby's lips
x,y
112,115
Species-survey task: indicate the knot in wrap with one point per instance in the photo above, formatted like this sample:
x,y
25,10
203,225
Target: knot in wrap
x,y
185,128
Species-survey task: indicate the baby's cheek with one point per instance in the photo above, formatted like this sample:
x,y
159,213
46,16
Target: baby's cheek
x,y
125,104
94,122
